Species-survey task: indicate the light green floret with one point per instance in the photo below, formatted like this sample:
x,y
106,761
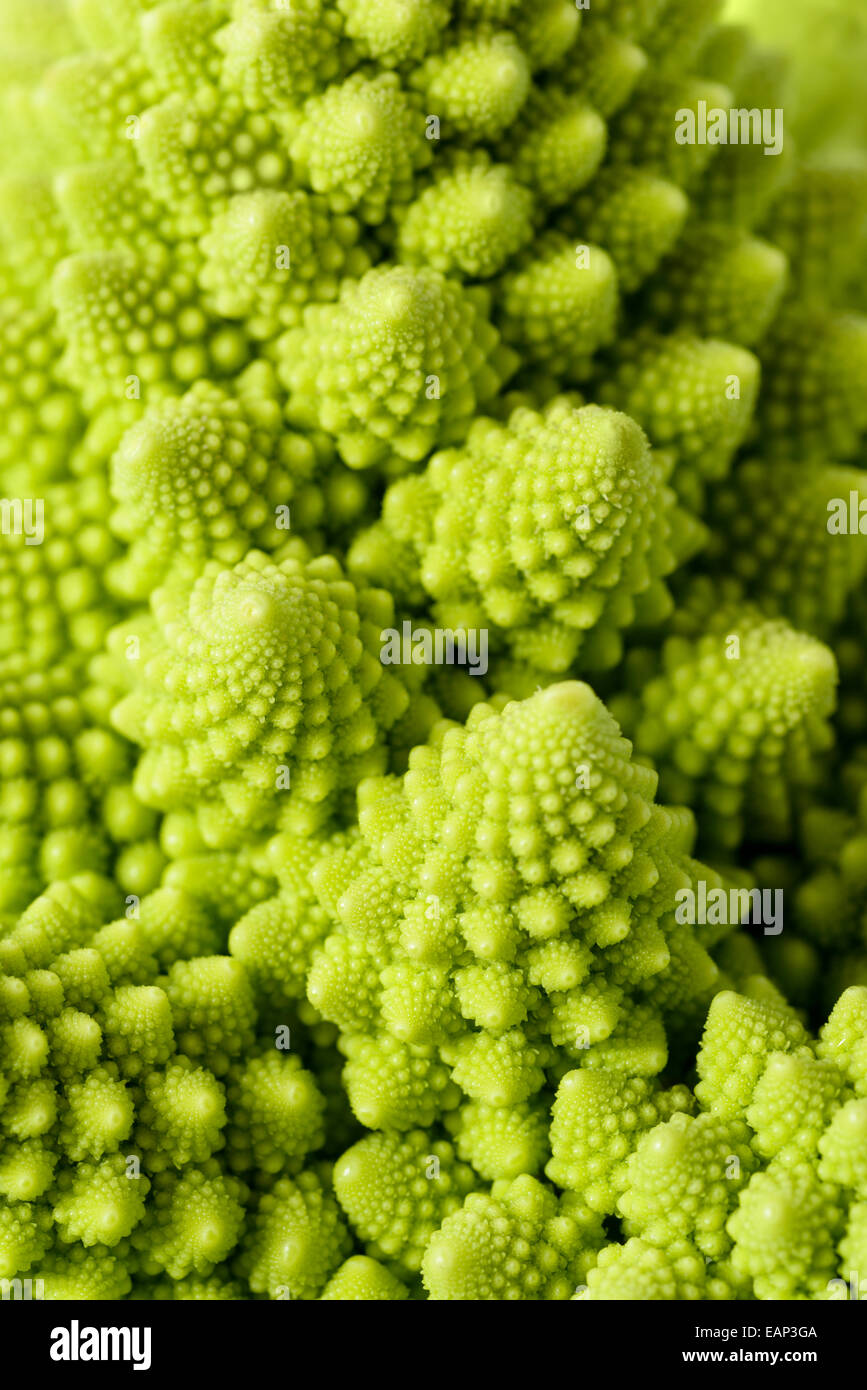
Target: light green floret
x,y
83,101
843,1147
296,1241
561,145
394,32
842,1038
277,56
196,153
270,252
133,326
193,1223
793,1101
552,533
598,1119
213,1009
719,283
819,222
604,68
639,1271
777,528
264,694
813,402
643,132
396,1189
25,1236
519,1242
476,87
785,1232
360,145
41,415
207,476
558,304
737,718
853,1246
391,1085
472,219
177,41
501,1141
740,1039
636,216
693,395
100,1203
423,358
496,826
98,1118
26,1170
360,1279
139,1032
683,1179
276,1113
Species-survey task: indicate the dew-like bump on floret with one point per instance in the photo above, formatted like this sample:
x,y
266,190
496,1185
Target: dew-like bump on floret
x,y
778,527
813,401
683,1179
558,303
270,252
694,395
276,56
277,1112
735,718
636,216
265,683
785,1232
526,828
551,532
360,145
296,1241
362,1279
639,1271
719,283
518,1242
471,218
476,86
396,1189
597,1121
399,364
740,1037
